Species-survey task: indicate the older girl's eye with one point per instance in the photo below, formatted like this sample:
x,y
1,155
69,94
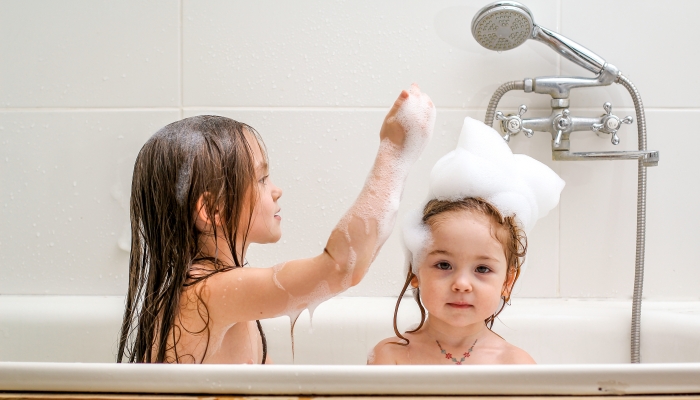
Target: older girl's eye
x,y
443,266
482,269
263,180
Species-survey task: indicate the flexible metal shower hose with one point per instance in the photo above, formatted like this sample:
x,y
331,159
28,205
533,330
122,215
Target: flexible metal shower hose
x,y
493,103
641,198
641,217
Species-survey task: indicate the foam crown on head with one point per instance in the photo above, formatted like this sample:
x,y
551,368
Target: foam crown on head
x,y
483,166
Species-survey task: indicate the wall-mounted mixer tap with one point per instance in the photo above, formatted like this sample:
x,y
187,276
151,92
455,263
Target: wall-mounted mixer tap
x,y
560,123
504,25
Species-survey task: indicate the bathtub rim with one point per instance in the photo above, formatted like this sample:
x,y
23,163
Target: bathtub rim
x,y
335,380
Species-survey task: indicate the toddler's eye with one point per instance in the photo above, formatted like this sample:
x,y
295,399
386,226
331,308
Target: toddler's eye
x,y
443,266
482,269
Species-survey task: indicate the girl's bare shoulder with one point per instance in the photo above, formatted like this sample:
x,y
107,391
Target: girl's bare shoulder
x,y
514,355
390,351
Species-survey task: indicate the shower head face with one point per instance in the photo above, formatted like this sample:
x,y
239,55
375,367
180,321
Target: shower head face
x,y
502,25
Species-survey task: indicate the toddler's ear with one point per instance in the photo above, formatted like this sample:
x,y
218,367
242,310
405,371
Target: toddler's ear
x,y
414,281
508,285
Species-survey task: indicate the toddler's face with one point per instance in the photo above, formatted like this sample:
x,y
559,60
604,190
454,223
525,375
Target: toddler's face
x,y
265,224
462,276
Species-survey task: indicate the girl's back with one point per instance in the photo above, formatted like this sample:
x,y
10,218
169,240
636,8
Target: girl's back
x,y
195,341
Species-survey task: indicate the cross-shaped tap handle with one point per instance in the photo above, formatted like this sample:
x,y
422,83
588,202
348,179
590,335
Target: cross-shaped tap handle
x,y
513,124
610,123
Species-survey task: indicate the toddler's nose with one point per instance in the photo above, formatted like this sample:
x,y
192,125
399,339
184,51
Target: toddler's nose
x,y
462,283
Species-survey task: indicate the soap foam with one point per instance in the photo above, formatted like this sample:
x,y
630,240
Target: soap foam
x,y
191,143
379,200
370,357
483,166
275,270
416,237
297,304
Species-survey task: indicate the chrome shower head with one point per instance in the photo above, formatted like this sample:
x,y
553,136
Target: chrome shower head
x,y
505,25
502,25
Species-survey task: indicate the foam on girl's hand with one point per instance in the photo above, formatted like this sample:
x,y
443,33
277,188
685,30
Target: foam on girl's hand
x,y
483,166
379,200
376,207
417,116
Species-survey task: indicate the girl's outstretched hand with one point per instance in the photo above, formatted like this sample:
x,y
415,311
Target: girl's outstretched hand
x,y
410,121
247,294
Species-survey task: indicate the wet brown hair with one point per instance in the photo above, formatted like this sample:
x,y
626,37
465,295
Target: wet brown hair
x,y
507,231
204,156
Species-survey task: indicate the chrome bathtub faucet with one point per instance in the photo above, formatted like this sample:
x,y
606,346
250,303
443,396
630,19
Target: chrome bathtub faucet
x,y
504,25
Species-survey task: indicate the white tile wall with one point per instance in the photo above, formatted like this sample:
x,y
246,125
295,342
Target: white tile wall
x,y
315,78
673,217
64,203
316,53
651,42
81,53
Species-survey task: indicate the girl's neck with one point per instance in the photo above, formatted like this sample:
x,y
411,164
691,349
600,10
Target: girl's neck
x,y
219,249
453,336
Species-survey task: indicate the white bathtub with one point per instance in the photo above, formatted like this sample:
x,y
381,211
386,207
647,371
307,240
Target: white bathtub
x,y
590,336
553,331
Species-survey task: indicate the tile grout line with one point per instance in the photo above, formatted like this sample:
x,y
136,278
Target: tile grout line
x,y
88,109
180,56
299,108
558,30
559,250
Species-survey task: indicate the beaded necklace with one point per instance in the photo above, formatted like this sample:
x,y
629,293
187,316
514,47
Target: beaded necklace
x,y
454,360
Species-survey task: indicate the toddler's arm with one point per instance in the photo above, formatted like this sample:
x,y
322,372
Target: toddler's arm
x,y
249,293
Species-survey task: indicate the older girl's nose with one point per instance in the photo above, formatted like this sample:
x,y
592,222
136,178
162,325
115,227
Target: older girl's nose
x,y
276,192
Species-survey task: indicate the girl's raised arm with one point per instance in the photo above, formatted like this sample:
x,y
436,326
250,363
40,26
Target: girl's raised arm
x,y
246,294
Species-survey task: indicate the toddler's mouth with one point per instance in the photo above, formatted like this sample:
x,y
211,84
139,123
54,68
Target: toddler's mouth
x,y
459,304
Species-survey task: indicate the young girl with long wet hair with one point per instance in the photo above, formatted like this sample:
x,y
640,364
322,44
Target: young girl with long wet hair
x,y
201,193
465,249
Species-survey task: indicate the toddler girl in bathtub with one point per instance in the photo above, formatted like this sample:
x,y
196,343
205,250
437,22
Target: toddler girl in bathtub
x,y
201,193
465,250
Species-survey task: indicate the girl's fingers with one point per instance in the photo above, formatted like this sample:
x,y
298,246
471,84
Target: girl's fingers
x,y
399,102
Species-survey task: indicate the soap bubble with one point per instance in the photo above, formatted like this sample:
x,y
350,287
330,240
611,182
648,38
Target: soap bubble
x,y
483,166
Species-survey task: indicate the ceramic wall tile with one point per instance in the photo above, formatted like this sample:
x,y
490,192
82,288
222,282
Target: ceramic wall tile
x,y
316,53
64,203
671,268
651,42
598,220
79,53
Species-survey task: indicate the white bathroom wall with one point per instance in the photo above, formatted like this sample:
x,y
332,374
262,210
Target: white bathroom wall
x,y
83,84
